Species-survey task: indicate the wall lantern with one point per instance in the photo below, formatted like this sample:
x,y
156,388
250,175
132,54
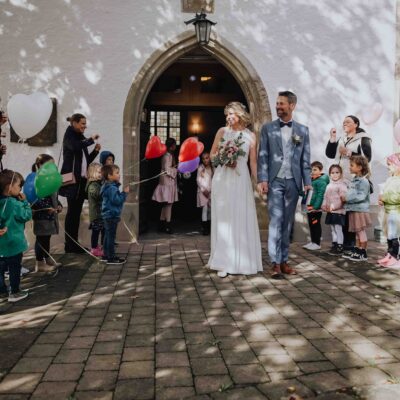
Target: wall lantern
x,y
202,26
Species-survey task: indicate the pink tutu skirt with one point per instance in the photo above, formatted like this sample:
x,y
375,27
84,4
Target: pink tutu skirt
x,y
358,221
165,193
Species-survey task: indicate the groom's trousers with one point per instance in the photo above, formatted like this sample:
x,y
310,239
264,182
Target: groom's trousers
x,y
283,196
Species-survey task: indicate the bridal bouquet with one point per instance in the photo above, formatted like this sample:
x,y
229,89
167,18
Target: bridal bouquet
x,y
228,152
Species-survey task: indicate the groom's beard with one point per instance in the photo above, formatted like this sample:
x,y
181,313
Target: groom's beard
x,y
281,113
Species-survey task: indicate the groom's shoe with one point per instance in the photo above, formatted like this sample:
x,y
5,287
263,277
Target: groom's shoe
x,y
276,272
286,269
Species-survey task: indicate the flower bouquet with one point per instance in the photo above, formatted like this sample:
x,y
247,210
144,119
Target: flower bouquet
x,y
228,152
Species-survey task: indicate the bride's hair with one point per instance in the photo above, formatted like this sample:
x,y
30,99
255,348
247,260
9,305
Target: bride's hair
x,y
240,110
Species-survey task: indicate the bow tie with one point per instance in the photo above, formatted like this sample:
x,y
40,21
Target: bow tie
x,y
288,124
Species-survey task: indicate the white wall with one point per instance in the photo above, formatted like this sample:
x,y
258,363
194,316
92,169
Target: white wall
x,y
338,57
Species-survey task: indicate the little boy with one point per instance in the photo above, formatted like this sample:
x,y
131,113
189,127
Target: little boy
x,y
111,207
14,212
314,213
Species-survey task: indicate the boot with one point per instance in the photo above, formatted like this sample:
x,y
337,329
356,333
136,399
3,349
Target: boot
x,y
390,245
41,266
54,263
168,228
204,228
161,226
395,249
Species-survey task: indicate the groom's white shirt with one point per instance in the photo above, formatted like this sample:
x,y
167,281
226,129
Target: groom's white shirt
x,y
286,168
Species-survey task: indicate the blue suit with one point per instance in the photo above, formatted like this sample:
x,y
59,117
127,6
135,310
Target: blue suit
x,y
283,194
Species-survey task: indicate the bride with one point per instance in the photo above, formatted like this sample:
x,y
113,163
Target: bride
x,y
235,238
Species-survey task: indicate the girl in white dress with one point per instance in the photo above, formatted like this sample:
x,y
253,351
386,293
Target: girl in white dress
x,y
235,237
204,176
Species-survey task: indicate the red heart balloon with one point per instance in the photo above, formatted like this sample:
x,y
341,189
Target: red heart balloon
x,y
190,149
155,148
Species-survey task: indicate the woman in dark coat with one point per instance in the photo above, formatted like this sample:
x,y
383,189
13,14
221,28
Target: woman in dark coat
x,y
76,159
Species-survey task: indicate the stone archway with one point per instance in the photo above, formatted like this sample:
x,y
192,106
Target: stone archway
x,y
250,82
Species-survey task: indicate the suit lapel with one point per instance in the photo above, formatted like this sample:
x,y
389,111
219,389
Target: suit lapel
x,y
278,134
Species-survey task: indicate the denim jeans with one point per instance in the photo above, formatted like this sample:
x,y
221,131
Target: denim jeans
x,y
13,266
110,227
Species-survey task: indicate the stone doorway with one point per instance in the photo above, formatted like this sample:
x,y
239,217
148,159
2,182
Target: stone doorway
x,y
237,64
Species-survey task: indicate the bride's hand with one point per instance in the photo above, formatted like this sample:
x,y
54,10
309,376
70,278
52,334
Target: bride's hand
x,y
233,165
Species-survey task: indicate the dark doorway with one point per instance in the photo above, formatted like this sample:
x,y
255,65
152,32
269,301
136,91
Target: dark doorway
x,y
188,99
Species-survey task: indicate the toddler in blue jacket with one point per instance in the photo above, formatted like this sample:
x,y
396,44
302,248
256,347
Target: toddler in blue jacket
x,y
111,208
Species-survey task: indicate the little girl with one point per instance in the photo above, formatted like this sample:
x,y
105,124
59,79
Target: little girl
x,y
94,198
333,205
45,223
204,176
357,204
390,199
166,191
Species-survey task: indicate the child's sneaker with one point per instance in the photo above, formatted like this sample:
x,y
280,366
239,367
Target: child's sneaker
x,y
332,250
395,265
95,251
348,253
390,262
384,260
116,261
306,246
24,271
314,246
359,255
14,297
103,259
338,251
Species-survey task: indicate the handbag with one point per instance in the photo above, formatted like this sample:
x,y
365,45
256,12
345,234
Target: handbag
x,y
69,177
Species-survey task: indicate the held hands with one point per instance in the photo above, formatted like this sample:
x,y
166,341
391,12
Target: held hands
x,y
307,188
262,188
206,193
233,165
3,231
51,211
343,198
126,189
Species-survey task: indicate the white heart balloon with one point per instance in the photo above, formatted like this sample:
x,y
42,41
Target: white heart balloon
x,y
372,113
29,114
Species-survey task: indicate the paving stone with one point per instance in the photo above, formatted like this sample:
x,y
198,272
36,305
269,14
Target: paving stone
x,y
27,365
72,356
324,381
240,357
250,373
174,393
316,366
176,359
278,390
136,369
208,366
43,350
107,348
138,389
93,395
381,392
211,383
85,342
20,383
107,362
97,380
364,376
177,376
63,372
278,363
239,394
54,390
51,338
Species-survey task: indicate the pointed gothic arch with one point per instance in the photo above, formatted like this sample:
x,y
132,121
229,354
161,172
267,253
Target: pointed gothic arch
x,y
239,66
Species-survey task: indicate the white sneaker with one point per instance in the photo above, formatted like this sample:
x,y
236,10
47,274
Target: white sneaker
x,y
306,246
314,246
222,274
24,271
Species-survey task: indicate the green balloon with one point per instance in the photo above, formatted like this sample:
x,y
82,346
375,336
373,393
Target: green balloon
x,y
48,180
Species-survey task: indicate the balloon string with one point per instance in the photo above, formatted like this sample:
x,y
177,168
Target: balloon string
x,y
47,253
133,237
146,180
78,244
136,164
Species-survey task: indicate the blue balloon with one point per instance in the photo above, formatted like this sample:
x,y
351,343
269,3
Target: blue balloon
x,y
29,188
189,166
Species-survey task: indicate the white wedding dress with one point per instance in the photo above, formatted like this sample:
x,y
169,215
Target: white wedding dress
x,y
235,237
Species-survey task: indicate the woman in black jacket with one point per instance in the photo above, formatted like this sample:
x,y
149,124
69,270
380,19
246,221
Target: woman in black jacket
x,y
76,159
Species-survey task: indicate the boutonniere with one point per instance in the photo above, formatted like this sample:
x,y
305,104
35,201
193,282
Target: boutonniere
x,y
296,139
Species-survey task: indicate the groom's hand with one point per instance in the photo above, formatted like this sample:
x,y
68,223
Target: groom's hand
x,y
262,188
307,188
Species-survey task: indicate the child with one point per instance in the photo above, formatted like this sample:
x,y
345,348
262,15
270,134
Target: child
x,y
111,208
314,213
390,199
107,158
15,211
357,203
94,198
204,177
166,191
45,223
333,205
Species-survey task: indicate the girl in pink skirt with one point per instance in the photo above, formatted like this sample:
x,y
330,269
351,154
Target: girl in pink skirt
x,y
166,191
357,204
204,176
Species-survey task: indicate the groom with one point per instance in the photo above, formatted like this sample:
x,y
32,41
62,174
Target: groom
x,y
283,169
